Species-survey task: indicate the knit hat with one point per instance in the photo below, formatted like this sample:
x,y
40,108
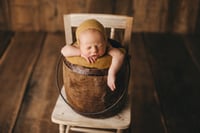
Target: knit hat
x,y
90,24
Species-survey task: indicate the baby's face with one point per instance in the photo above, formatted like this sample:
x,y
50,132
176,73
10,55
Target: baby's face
x,y
92,43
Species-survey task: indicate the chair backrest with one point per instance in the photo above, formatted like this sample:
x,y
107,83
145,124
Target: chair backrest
x,y
109,21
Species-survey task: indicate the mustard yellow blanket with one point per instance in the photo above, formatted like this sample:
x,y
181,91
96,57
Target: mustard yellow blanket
x,y
101,63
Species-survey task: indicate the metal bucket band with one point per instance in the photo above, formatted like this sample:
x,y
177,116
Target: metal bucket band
x,y
85,70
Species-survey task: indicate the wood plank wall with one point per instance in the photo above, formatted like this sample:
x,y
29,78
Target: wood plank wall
x,y
180,16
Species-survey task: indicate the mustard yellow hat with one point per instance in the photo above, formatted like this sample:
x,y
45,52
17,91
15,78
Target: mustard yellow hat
x,y
90,24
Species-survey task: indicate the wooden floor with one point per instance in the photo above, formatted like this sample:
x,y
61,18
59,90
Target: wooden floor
x,y
165,82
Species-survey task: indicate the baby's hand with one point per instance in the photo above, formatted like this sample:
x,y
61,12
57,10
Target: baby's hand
x,y
111,82
90,59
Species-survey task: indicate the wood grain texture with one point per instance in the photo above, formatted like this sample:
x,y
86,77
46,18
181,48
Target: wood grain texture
x,y
42,93
183,15
4,15
5,37
164,81
180,16
67,6
15,70
103,6
192,45
146,114
24,18
49,17
197,29
150,15
177,82
123,8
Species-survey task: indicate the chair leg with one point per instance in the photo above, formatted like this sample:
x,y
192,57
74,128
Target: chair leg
x,y
119,131
62,128
67,129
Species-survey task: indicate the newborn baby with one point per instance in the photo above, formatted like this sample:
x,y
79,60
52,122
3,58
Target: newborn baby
x,y
92,43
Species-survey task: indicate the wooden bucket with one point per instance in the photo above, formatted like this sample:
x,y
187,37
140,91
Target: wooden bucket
x,y
87,91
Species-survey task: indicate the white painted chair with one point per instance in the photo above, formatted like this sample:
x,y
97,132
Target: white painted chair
x,y
62,113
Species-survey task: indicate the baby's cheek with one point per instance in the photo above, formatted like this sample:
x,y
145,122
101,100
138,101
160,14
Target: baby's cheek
x,y
102,52
86,53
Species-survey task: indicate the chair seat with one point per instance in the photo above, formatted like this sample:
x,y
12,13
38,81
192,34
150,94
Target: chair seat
x,y
64,115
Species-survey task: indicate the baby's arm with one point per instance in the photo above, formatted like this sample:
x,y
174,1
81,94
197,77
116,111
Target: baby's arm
x,y
117,61
69,50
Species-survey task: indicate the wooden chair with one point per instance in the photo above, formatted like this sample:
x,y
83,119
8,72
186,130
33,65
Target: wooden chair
x,y
62,113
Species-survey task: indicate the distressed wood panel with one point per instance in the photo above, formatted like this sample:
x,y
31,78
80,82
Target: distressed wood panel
x,y
192,44
15,70
24,18
24,15
79,6
103,6
123,8
48,15
166,15
177,82
146,111
42,93
5,37
4,15
181,16
150,15
65,7
25,2
197,29
165,83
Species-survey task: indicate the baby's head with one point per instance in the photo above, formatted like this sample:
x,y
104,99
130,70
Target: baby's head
x,y
91,38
